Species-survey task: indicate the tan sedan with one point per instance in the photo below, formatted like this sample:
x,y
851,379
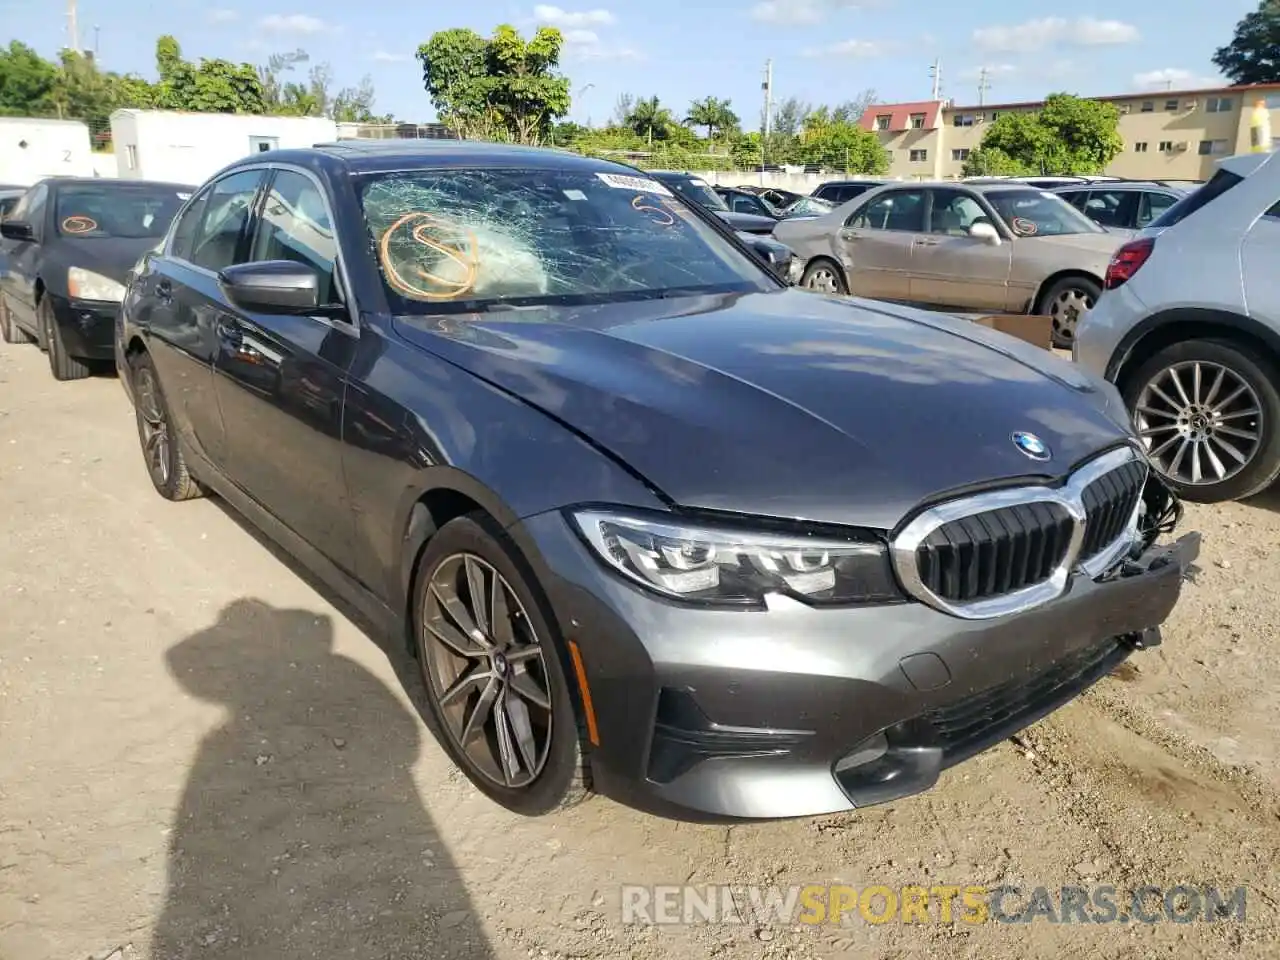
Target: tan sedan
x,y
990,247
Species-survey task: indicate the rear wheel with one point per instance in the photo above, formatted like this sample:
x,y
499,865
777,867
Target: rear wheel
x,y
1209,415
495,679
62,366
165,463
11,332
1066,302
822,276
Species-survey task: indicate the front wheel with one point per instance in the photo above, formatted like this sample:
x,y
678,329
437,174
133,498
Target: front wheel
x,y
496,684
1066,303
822,276
1209,415
61,365
165,463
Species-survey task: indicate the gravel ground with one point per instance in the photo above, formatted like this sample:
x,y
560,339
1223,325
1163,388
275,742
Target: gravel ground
x,y
201,757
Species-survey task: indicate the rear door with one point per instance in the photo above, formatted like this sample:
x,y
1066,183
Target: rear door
x,y
876,243
281,378
1152,204
952,269
22,267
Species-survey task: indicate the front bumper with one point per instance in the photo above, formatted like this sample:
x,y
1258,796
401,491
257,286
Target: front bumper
x,y
711,714
88,327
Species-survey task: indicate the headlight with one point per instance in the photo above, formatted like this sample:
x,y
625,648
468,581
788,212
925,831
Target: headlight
x,y
86,285
795,269
734,566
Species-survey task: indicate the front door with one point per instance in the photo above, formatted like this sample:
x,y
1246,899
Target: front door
x,y
949,268
23,256
281,379
876,243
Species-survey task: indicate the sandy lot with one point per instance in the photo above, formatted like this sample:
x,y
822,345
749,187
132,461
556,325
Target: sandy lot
x,y
201,757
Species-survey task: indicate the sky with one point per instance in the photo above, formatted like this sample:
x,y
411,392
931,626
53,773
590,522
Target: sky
x,y
823,51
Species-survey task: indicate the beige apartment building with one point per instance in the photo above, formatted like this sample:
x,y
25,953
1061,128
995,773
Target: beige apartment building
x,y
1174,135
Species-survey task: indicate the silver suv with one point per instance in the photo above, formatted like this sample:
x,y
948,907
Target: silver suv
x,y
1188,327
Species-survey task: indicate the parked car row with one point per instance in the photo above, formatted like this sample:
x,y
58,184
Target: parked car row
x,y
653,523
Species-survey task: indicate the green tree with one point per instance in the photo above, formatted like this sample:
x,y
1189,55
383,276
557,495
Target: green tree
x,y
845,145
503,87
714,114
1069,135
26,81
355,104
650,119
214,86
1253,55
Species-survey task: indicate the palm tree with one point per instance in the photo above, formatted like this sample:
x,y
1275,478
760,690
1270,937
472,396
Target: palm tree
x,y
716,115
649,118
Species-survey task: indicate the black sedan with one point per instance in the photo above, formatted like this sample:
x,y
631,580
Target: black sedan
x,y
68,245
695,190
652,523
741,200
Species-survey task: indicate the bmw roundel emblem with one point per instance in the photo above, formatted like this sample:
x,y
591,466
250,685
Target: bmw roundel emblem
x,y
1031,445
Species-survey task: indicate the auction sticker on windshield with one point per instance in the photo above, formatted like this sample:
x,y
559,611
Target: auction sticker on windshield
x,y
643,184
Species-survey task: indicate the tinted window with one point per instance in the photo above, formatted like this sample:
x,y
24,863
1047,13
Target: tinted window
x,y
954,212
1220,183
898,210
447,240
7,204
1111,208
226,214
698,191
30,206
1037,213
1077,198
184,231
1153,205
294,225
124,211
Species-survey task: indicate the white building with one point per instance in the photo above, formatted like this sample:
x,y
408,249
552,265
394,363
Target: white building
x,y
31,149
191,147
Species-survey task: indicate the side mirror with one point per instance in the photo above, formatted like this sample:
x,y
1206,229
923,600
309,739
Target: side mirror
x,y
272,286
17,230
986,233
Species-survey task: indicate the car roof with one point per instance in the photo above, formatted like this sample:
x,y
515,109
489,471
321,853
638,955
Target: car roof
x,y
113,182
1116,185
872,181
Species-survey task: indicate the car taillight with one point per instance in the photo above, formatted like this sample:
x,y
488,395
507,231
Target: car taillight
x,y
1126,261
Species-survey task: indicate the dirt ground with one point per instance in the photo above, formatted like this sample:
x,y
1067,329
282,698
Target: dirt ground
x,y
201,757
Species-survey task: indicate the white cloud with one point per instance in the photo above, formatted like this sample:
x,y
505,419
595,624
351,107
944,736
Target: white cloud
x,y
800,12
1054,31
587,45
847,48
221,15
293,23
572,19
1173,78
993,70
382,56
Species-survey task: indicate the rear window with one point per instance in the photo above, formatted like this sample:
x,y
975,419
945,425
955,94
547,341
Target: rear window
x,y
1220,183
131,212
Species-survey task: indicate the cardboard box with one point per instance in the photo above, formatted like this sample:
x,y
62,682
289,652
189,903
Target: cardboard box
x,y
1033,329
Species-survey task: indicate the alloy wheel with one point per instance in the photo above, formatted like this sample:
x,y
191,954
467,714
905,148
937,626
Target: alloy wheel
x,y
1201,422
485,670
823,280
1066,310
154,425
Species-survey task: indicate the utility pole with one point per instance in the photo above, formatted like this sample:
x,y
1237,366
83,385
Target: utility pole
x,y
73,30
984,84
96,30
935,71
767,87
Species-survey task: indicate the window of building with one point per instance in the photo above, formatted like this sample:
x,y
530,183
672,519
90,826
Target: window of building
x,y
1218,105
963,120
919,156
917,121
994,114
1148,106
883,121
960,153
1171,105
1166,146
1210,148
1140,147
131,156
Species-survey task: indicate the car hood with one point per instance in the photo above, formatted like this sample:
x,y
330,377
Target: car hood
x,y
112,257
788,404
747,222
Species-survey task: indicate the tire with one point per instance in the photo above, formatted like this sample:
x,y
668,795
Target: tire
x,y
551,773
160,448
823,276
1065,301
62,367
1168,426
11,332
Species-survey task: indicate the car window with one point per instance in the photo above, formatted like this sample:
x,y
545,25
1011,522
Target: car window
x,y
218,241
954,212
897,210
698,191
1038,213
295,225
1218,184
188,222
7,204
120,209
810,207
1153,205
1112,208
30,206
1077,198
448,240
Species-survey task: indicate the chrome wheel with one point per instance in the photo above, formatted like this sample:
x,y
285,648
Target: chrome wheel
x,y
1066,309
1201,421
486,671
823,279
154,425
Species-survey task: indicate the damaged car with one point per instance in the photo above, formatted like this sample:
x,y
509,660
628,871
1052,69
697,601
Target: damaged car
x,y
651,523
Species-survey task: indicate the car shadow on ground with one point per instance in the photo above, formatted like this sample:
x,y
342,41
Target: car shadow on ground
x,y
1267,500
301,832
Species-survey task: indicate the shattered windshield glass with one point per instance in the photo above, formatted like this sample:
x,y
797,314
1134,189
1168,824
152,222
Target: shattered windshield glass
x,y
456,239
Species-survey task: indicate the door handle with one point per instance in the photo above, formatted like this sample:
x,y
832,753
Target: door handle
x,y
926,243
850,235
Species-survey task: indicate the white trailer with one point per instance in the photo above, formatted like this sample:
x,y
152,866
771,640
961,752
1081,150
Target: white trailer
x,y
190,147
34,148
